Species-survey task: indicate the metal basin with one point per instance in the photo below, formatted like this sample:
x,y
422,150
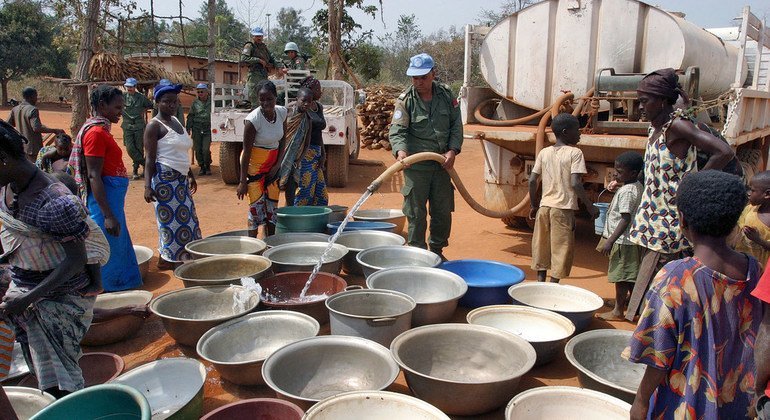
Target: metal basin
x,y
173,387
120,328
356,225
378,315
303,256
256,408
293,237
143,257
241,232
374,405
312,369
98,368
26,402
435,291
547,331
462,369
357,241
238,347
394,216
596,356
282,292
566,402
377,258
338,214
188,313
225,245
575,303
224,269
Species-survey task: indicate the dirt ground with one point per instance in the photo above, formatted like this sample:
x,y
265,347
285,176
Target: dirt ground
x,y
473,236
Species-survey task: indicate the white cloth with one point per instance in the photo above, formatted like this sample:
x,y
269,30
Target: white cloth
x,y
269,134
174,149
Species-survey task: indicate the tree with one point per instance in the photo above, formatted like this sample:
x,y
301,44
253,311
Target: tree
x,y
290,27
80,104
491,17
25,42
366,60
230,33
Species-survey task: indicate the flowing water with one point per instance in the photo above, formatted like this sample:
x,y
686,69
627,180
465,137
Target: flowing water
x,y
332,241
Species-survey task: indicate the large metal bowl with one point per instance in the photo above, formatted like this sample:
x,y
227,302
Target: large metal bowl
x,y
293,237
256,409
224,269
312,369
26,402
225,245
120,328
240,232
394,216
378,258
577,304
435,291
282,291
596,356
188,313
238,347
173,387
143,257
303,256
547,331
374,405
462,369
357,241
566,402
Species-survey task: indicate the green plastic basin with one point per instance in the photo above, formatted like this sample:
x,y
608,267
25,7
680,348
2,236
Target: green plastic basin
x,y
99,402
302,219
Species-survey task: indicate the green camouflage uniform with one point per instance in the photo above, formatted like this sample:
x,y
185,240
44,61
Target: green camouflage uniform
x,y
199,126
257,72
437,128
134,107
297,64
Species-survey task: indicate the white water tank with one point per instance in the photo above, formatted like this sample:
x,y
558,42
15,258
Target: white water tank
x,y
559,45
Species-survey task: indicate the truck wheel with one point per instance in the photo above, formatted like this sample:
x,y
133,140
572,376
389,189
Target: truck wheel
x,y
337,165
230,161
354,156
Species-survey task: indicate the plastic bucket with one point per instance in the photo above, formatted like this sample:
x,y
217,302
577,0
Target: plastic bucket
x,y
599,221
302,219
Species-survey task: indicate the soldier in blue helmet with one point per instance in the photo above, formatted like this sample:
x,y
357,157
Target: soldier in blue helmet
x,y
260,61
199,127
135,106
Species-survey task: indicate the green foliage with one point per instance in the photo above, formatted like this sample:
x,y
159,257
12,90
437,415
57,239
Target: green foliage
x,y
349,28
290,27
365,59
230,37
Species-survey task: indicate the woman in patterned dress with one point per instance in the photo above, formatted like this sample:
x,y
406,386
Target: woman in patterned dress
x,y
169,181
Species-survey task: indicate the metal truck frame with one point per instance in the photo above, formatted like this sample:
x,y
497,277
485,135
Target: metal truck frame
x,y
743,118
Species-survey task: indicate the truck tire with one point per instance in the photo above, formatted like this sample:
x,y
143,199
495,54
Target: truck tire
x,y
337,165
230,161
354,156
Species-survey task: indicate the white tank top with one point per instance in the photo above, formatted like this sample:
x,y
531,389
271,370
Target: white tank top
x,y
174,149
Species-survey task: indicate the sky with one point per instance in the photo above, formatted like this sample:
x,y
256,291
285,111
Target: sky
x,y
433,15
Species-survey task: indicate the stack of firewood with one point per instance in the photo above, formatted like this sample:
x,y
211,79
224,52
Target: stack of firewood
x,y
375,115
109,67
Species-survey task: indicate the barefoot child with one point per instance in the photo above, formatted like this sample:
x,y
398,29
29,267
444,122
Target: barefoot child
x,y
696,333
754,224
562,167
625,256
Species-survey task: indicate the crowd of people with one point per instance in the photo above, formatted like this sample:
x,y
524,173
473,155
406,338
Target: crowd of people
x,y
686,243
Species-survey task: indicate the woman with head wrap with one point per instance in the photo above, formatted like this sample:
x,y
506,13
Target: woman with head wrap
x,y
169,181
671,152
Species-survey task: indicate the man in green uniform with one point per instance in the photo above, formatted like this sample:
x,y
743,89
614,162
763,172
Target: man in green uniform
x,y
199,127
426,118
260,61
135,105
295,61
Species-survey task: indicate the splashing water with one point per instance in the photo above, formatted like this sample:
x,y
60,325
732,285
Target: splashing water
x,y
333,240
241,296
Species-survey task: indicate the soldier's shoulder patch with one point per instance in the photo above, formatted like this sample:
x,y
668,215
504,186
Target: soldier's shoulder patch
x,y
400,115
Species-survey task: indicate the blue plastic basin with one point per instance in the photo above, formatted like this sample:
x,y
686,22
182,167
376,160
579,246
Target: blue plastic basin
x,y
356,225
488,281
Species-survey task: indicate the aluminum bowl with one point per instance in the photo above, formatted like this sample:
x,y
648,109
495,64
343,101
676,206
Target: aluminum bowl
x,y
577,304
352,226
241,232
357,241
143,257
173,387
188,313
222,270
292,237
374,405
435,291
566,402
312,369
377,258
282,291
239,347
596,356
120,328
547,331
26,402
225,245
303,256
256,408
98,368
394,216
462,369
